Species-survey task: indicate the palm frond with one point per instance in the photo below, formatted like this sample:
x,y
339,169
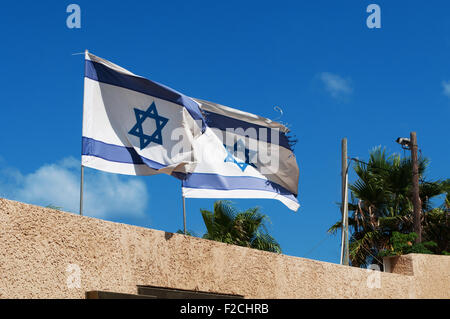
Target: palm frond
x,y
264,241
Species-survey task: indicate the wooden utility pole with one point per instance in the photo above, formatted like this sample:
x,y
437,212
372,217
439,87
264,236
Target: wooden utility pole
x,y
415,190
344,205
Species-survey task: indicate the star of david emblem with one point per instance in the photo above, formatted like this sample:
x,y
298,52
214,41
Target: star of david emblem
x,y
239,148
141,116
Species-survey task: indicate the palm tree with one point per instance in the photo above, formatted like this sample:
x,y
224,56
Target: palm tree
x,y
247,228
381,202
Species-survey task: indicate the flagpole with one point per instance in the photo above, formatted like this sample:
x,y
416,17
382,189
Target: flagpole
x,y
344,207
82,167
184,212
184,209
81,190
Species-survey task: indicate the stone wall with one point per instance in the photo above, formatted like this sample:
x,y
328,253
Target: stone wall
x,y
42,250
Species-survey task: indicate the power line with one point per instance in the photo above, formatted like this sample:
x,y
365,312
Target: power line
x,y
328,236
317,245
386,169
370,253
369,164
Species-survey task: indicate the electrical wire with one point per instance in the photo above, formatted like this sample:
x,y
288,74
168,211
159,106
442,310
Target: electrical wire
x,y
370,253
386,169
317,245
382,168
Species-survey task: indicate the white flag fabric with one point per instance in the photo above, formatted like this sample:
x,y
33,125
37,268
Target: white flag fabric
x,y
242,155
135,126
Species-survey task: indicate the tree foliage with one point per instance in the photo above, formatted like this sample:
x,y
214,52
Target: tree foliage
x,y
402,244
381,204
247,228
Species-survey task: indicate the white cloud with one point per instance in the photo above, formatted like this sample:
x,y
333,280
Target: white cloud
x,y
335,84
446,88
58,184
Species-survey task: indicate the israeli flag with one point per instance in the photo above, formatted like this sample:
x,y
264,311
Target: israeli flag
x,y
242,155
135,126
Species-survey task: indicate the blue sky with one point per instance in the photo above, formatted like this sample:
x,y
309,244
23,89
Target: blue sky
x,y
332,76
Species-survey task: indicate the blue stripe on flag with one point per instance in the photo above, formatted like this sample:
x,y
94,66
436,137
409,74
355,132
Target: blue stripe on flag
x,y
116,153
101,73
220,182
223,122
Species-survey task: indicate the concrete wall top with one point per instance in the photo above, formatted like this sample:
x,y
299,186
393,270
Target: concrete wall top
x,y
45,253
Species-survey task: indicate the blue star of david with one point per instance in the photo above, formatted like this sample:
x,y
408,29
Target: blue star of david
x,y
239,146
137,130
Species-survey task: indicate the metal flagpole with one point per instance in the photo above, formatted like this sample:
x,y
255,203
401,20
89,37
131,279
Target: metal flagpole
x,y
346,241
81,190
184,209
344,206
82,167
